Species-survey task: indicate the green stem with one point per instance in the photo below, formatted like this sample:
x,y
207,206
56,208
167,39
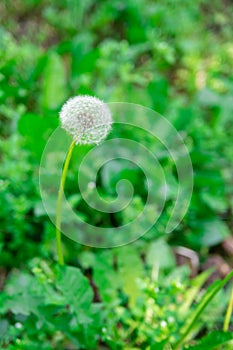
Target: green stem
x,y
228,313
59,204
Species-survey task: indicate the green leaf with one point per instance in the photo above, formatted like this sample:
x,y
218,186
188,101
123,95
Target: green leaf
x,y
160,255
76,289
213,340
214,232
207,97
54,82
159,346
215,201
4,324
56,316
130,270
105,276
83,57
36,131
191,294
158,91
24,294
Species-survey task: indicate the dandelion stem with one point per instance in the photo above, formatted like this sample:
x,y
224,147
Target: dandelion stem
x,y
59,204
228,313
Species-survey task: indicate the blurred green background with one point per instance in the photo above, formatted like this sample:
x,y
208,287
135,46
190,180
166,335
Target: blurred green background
x,y
175,57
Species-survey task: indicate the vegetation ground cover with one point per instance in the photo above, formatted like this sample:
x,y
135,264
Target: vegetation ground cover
x,y
172,57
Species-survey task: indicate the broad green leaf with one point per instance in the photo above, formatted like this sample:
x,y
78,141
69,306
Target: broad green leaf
x,y
130,269
208,97
215,201
160,255
214,232
54,83
76,12
56,316
36,131
158,92
212,340
80,51
105,276
76,289
160,346
4,324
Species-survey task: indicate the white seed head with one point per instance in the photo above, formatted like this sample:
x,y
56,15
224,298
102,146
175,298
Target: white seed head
x,y
86,118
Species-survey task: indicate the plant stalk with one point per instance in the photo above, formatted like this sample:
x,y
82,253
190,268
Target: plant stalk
x,y
228,313
59,204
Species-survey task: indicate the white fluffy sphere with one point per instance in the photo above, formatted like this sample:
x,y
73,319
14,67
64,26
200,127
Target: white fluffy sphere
x,y
86,118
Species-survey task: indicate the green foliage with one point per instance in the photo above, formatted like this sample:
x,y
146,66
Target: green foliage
x,y
204,302
54,305
58,302
173,58
213,340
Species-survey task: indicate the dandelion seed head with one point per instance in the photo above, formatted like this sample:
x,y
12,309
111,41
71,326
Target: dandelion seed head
x,y
86,118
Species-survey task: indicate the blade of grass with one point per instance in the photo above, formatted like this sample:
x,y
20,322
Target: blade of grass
x,y
205,300
197,283
228,313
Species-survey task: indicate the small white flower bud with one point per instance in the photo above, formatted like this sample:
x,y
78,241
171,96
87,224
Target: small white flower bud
x,y
86,118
